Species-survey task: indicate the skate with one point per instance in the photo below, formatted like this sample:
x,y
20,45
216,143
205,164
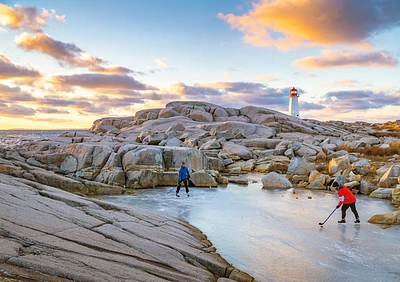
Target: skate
x,y
342,221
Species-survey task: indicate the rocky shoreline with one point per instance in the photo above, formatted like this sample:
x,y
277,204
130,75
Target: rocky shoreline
x,y
43,227
47,234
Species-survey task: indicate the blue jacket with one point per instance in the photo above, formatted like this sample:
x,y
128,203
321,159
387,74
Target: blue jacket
x,y
183,173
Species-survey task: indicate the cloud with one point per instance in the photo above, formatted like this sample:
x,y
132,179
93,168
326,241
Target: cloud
x,y
307,106
51,120
196,90
160,63
292,23
8,70
66,53
14,94
304,73
266,78
328,59
346,82
52,111
20,18
357,100
16,111
98,81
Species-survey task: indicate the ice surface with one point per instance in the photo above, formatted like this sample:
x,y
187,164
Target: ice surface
x,y
273,235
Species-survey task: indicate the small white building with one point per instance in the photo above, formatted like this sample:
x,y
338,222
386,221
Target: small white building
x,y
294,103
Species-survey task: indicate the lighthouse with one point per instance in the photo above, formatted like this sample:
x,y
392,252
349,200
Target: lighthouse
x,y
294,103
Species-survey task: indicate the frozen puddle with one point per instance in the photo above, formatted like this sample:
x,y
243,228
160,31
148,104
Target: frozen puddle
x,y
273,235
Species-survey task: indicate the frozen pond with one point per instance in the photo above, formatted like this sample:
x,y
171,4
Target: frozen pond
x,y
273,235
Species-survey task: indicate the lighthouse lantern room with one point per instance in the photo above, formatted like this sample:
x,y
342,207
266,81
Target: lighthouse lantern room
x,y
294,103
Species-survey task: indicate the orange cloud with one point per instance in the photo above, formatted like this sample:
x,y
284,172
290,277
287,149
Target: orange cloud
x,y
293,23
330,59
266,78
20,17
66,53
8,70
347,82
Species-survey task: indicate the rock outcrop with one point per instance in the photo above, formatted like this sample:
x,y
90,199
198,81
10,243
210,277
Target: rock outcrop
x,y
275,181
50,235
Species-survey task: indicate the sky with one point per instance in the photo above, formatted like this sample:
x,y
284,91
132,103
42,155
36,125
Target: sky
x,y
64,64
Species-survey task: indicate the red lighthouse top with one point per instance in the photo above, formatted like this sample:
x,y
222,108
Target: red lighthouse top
x,y
293,92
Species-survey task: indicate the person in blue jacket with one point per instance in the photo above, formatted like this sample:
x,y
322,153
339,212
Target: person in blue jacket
x,y
183,176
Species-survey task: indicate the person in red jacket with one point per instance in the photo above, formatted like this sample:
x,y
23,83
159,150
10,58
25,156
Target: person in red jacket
x,y
346,200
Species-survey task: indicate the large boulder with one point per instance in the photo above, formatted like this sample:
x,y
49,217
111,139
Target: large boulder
x,y
366,187
82,152
320,177
382,193
203,179
390,178
338,164
261,143
168,112
235,127
154,138
390,218
59,181
142,179
243,165
299,166
272,163
362,166
396,195
305,150
209,145
200,116
69,164
143,158
370,140
237,152
316,185
173,157
52,159
275,181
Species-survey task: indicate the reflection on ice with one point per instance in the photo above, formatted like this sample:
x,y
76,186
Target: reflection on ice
x,y
273,235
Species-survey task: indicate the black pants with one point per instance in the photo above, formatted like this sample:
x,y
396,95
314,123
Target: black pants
x,y
353,209
186,186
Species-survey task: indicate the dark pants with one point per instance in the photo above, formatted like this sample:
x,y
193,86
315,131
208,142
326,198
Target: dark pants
x,y
186,186
353,209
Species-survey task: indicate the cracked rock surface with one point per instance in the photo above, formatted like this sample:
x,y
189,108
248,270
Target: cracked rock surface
x,y
47,234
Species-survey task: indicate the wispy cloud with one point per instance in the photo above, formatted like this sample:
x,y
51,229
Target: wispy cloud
x,y
66,53
266,78
347,82
357,100
98,81
16,111
161,64
9,70
26,18
292,23
14,94
50,120
195,90
52,111
329,59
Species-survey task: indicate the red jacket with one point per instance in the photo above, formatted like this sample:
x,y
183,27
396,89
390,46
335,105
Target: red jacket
x,y
345,196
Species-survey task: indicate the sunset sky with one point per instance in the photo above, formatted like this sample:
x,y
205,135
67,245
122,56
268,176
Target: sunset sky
x,y
64,64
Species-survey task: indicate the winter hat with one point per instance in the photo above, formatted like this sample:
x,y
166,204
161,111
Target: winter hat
x,y
183,163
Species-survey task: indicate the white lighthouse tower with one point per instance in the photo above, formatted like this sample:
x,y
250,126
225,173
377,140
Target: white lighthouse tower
x,y
294,103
